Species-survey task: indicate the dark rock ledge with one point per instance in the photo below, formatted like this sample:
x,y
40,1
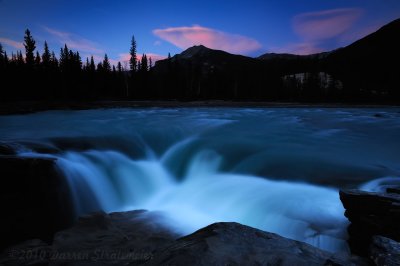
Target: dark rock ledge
x,y
374,231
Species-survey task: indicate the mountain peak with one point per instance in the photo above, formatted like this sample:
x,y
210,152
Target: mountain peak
x,y
195,50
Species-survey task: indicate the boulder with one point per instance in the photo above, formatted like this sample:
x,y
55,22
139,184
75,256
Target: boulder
x,y
98,239
7,148
385,251
34,199
236,244
370,214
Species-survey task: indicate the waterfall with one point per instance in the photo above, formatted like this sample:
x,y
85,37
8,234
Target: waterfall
x,y
278,170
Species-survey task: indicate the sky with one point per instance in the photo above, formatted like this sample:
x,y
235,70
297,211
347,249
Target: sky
x,y
247,27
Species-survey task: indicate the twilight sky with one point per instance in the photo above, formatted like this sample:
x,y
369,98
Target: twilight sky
x,y
251,27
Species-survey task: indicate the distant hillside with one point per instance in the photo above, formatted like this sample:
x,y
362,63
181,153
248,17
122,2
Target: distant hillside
x,y
370,64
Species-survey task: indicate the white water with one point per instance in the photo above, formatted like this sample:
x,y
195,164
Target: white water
x,y
275,169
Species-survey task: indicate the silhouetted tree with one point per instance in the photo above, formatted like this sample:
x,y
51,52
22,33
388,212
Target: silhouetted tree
x,y
20,59
106,64
133,59
54,61
30,46
92,66
46,56
144,63
38,60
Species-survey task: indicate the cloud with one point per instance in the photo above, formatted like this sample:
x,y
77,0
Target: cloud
x,y
299,49
185,37
74,41
12,43
326,24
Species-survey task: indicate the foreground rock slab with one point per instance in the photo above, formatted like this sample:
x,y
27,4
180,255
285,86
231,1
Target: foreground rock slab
x,y
142,238
236,244
385,251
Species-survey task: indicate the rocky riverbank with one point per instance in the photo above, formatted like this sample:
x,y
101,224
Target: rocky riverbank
x,y
137,238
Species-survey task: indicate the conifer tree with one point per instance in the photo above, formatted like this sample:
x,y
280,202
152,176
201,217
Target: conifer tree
x,y
54,61
30,46
92,65
144,64
133,59
46,56
106,64
37,59
119,67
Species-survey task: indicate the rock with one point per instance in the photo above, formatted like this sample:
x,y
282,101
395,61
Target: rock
x,y
370,214
98,239
34,200
395,190
236,244
7,148
385,251
126,237
143,238
31,252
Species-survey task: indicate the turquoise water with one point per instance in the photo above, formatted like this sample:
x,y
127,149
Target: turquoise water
x,y
277,169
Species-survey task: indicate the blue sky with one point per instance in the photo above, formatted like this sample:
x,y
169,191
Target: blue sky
x,y
241,27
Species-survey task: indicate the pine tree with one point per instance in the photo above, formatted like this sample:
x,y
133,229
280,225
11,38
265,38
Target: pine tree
x,y
77,62
20,59
106,64
64,58
38,59
54,61
5,58
1,52
30,46
99,67
46,56
3,55
144,64
150,64
87,66
133,59
92,65
119,67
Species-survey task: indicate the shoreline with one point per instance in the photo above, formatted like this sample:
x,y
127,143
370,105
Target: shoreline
x,y
27,107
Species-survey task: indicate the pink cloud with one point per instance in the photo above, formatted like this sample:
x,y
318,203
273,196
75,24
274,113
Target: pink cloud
x,y
325,24
185,37
299,49
12,43
74,42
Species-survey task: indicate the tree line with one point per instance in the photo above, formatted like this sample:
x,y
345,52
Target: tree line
x,y
34,76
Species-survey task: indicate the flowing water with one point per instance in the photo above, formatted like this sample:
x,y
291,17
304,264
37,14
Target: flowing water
x,y
277,169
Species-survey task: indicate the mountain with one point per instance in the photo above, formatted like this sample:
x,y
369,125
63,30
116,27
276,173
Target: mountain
x,y
370,64
362,71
